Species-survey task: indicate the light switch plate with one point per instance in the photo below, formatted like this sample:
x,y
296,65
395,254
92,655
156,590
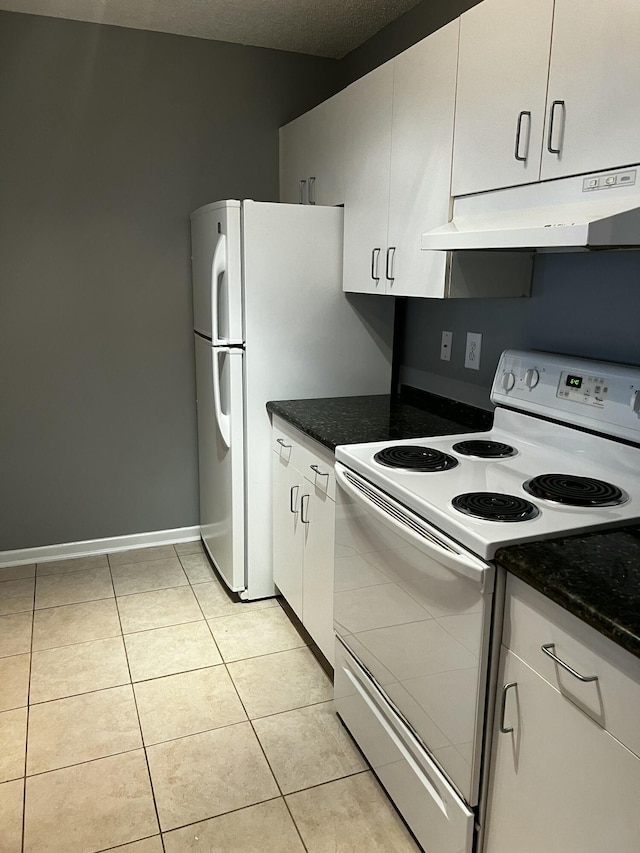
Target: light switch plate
x,y
472,351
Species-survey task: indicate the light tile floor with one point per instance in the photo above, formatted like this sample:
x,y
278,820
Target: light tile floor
x,y
143,710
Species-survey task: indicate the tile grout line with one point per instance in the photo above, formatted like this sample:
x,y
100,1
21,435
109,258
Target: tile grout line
x,y
26,740
135,701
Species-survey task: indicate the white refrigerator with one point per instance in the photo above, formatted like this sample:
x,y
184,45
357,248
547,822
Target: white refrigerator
x,y
271,322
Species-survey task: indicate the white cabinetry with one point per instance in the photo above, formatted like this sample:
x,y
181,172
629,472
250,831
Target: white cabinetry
x,y
397,169
563,772
303,530
312,155
543,91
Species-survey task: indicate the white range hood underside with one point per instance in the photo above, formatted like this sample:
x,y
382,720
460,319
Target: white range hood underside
x,y
597,211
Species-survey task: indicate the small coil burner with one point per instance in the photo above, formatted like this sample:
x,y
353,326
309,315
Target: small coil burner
x,y
574,491
484,449
413,457
493,506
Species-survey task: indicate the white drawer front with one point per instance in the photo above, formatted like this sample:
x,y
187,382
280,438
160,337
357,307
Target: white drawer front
x,y
531,621
436,815
313,460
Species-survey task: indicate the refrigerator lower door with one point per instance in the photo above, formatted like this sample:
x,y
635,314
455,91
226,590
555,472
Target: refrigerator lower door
x,y
219,378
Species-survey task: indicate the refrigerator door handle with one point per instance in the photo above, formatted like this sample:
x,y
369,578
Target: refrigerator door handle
x,y
223,420
218,267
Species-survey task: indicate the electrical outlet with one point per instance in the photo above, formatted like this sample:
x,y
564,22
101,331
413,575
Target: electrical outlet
x,y
472,351
445,346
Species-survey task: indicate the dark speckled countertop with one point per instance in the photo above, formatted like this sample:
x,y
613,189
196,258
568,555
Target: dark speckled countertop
x,y
595,576
355,420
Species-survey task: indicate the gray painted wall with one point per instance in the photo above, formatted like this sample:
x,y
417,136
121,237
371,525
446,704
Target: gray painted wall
x,y
585,304
109,138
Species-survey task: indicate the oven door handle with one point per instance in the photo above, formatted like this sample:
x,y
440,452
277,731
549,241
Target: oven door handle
x,y
421,534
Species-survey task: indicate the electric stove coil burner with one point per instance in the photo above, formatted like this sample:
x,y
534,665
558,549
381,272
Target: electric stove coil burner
x,y
574,491
484,449
413,457
493,506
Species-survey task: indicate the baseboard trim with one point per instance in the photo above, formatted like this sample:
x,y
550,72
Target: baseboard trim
x,y
46,553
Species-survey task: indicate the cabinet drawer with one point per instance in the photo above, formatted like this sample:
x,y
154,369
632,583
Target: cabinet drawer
x,y
531,621
314,461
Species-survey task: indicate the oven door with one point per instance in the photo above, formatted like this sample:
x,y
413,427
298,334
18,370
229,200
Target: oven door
x,y
414,608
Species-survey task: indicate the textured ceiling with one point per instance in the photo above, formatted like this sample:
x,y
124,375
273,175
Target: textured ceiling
x,y
319,27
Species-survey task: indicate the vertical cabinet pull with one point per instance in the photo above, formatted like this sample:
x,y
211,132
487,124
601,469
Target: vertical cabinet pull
x,y
312,190
391,254
375,258
522,158
304,509
506,729
552,116
302,189
293,499
549,649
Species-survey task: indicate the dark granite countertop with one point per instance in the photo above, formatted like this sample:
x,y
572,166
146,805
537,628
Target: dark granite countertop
x,y
595,576
355,420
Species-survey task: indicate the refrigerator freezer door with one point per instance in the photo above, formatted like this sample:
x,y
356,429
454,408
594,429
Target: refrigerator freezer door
x,y
216,272
219,379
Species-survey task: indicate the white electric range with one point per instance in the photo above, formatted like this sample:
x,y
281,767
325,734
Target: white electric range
x,y
417,525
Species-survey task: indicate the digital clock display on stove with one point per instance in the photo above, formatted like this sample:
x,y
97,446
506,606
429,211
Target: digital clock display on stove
x,y
573,381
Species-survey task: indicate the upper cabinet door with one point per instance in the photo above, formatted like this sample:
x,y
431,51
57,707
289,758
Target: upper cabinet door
x,y
424,90
366,180
500,108
311,155
594,80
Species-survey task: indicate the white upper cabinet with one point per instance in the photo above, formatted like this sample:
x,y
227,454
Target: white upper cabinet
x,y
397,169
424,88
366,180
312,155
501,94
594,80
545,91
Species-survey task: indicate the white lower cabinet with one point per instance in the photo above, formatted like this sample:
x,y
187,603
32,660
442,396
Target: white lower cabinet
x,y
560,782
303,530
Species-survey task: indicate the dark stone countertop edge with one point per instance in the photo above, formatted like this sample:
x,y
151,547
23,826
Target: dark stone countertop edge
x,y
583,574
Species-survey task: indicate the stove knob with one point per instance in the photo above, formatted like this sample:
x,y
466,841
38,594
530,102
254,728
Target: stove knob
x,y
531,378
635,402
508,380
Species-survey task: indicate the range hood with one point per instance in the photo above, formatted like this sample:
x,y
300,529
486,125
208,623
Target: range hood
x,y
596,211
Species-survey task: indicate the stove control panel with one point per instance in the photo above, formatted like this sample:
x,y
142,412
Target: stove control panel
x,y
601,396
583,388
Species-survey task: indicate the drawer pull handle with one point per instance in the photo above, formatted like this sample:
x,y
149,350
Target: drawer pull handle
x,y
506,729
282,443
304,509
548,650
318,471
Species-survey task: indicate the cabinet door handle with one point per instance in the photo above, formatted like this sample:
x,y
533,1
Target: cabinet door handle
x,y
312,190
282,443
318,471
552,115
293,499
517,154
375,258
548,650
391,255
506,729
304,509
302,188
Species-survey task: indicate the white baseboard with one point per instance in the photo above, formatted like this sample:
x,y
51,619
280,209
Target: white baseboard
x,y
46,553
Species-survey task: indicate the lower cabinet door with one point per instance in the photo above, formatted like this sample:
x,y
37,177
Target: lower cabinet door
x,y
317,595
288,539
560,783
